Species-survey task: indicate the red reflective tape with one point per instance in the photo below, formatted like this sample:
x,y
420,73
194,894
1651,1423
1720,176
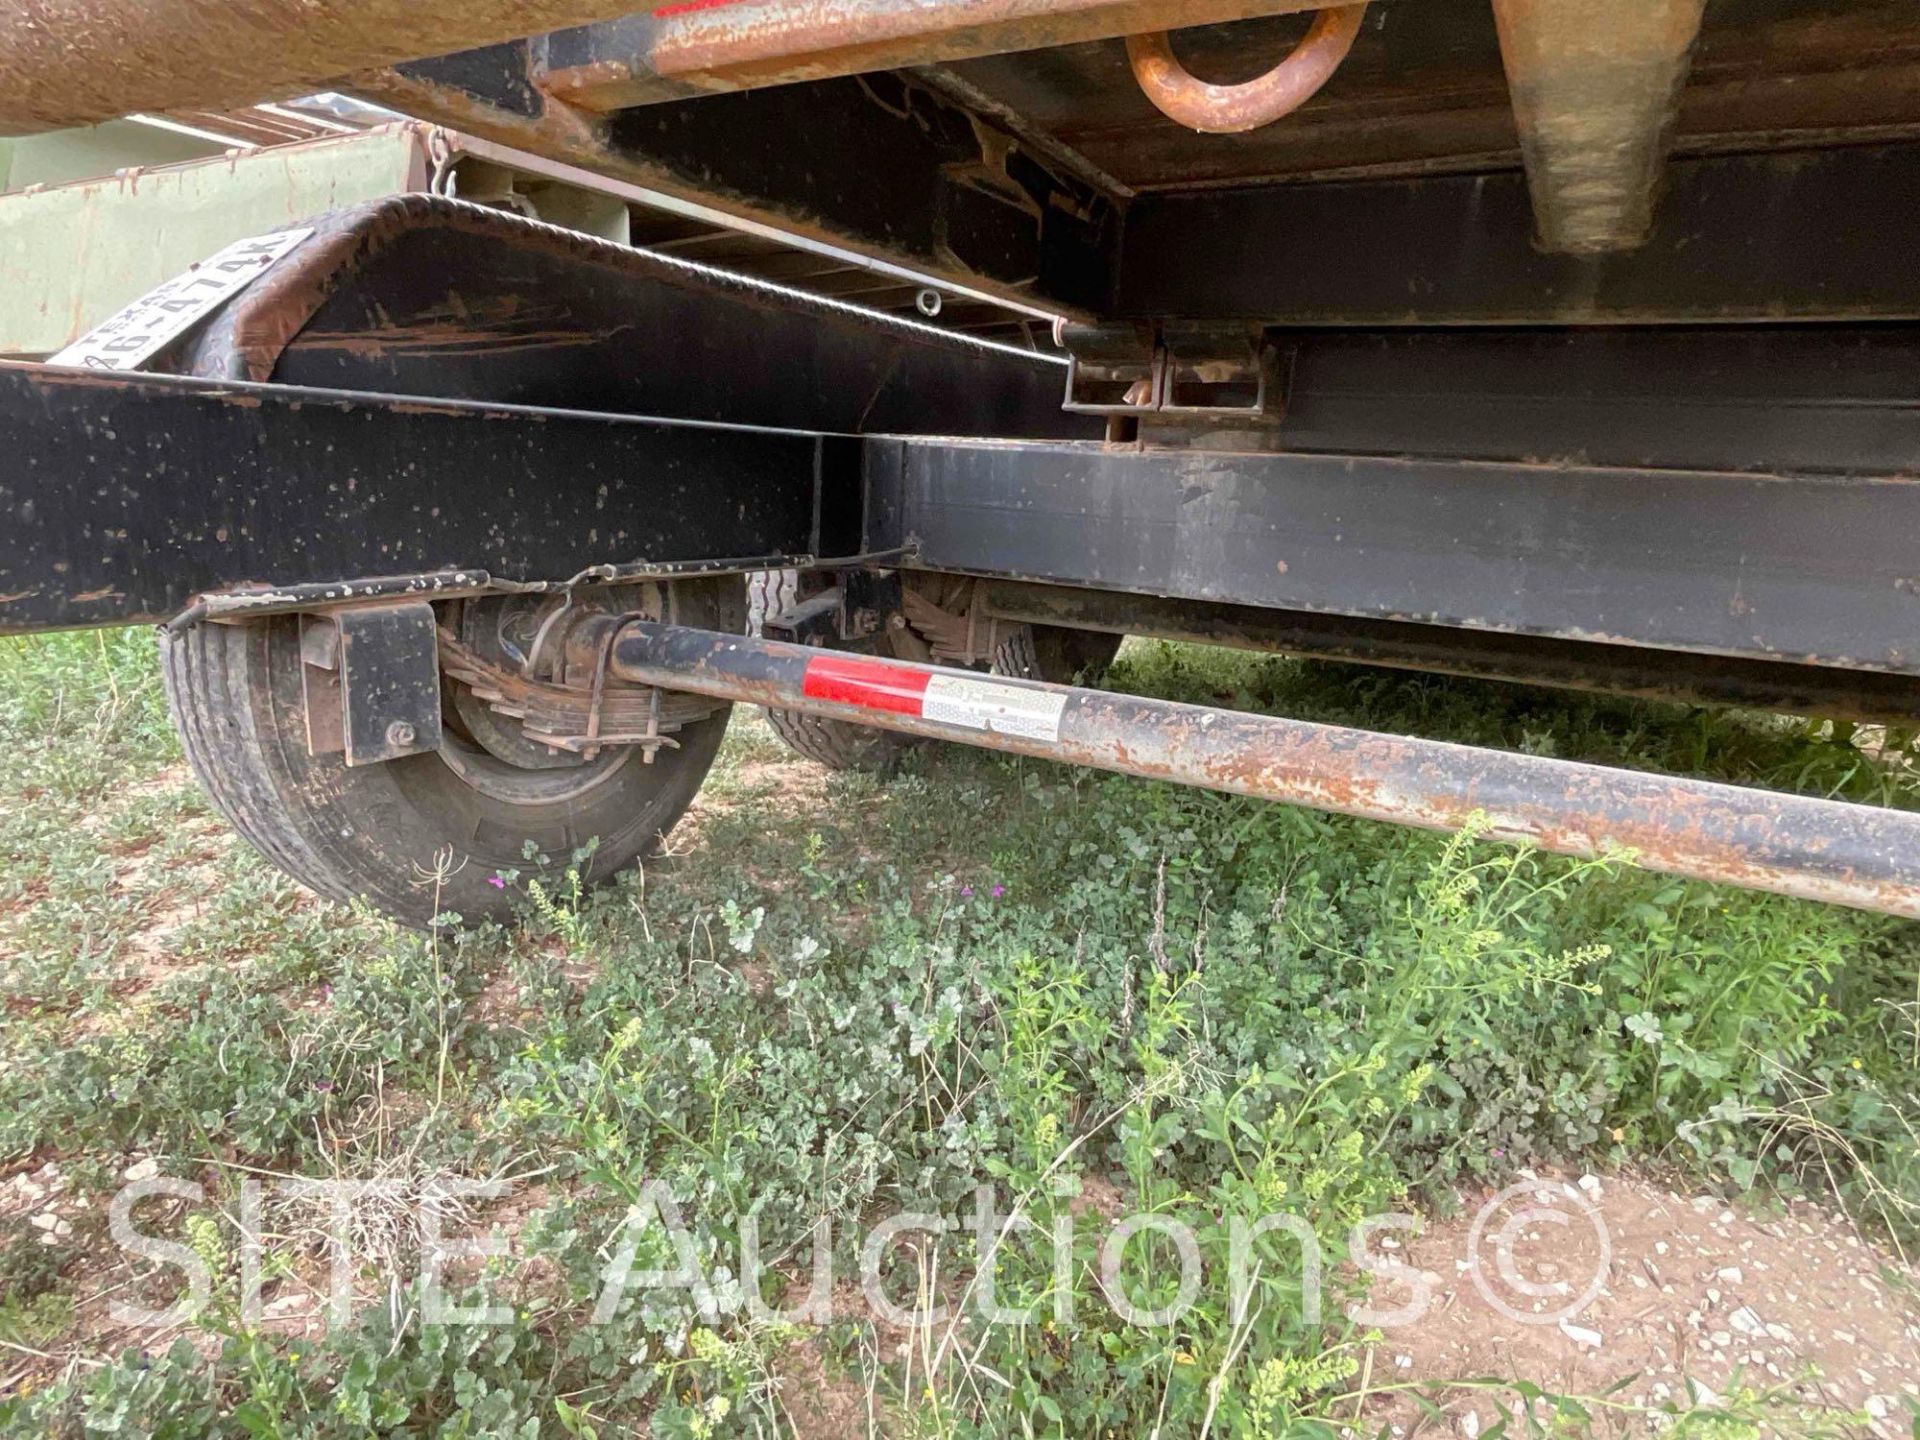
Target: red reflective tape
x,y
871,684
687,7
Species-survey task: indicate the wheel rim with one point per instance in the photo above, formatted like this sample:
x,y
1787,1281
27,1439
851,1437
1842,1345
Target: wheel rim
x,y
497,779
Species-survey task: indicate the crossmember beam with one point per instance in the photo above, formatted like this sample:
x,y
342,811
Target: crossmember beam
x,y
1763,237
1815,849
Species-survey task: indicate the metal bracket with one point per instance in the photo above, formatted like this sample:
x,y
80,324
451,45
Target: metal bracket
x,y
812,621
1259,367
1154,370
846,614
370,677
1127,360
320,685
867,602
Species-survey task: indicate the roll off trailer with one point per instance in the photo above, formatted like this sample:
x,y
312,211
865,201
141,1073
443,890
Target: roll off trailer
x,y
1562,341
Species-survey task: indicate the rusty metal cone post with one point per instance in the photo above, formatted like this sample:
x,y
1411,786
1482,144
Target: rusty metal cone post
x,y
1825,850
1596,88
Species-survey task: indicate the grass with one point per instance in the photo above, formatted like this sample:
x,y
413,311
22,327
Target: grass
x,y
842,999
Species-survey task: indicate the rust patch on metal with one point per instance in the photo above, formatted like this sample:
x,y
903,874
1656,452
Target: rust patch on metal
x,y
561,716
724,47
453,333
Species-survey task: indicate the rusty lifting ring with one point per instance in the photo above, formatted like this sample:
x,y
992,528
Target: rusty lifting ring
x,y
1231,109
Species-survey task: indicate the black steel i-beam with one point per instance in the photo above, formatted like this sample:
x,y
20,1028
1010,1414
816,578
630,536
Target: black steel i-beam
x,y
1809,569
1792,845
124,498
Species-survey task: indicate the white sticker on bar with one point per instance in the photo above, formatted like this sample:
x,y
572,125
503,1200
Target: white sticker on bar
x,y
989,705
133,336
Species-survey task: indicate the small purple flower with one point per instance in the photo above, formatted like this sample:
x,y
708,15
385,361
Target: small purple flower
x,y
323,1086
997,891
966,892
496,882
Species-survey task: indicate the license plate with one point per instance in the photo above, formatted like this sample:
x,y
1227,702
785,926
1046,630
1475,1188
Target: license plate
x,y
133,336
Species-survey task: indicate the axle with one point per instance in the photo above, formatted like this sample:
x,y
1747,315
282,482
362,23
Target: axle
x,y
1791,845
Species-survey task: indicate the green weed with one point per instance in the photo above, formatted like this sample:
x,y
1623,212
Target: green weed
x,y
1091,994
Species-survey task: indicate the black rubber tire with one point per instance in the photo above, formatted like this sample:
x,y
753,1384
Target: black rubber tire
x,y
835,744
768,593
381,833
1056,655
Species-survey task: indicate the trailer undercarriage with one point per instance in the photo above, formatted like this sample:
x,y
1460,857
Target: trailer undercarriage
x,y
290,501
1542,340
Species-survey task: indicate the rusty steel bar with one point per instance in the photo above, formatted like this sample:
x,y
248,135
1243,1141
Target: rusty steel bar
x,y
78,62
1596,85
1231,109
749,43
1824,850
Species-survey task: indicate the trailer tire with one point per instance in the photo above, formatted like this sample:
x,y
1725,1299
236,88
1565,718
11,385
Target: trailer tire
x,y
1056,654
836,744
416,838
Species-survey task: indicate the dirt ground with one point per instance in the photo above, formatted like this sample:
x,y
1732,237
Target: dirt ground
x,y
1690,1301
1694,1300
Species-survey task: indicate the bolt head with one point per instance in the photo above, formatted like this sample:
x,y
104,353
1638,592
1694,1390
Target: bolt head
x,y
400,734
